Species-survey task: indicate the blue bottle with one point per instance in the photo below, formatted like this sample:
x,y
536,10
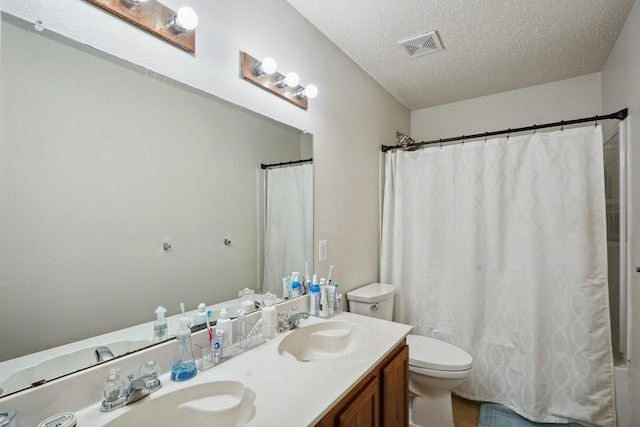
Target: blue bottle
x,y
184,367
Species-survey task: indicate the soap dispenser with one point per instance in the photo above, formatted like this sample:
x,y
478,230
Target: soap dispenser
x,y
184,366
160,325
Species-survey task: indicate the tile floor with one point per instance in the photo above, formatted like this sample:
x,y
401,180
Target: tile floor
x,y
465,412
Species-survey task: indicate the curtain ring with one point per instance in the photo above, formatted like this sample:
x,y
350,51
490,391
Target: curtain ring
x,y
462,139
486,134
441,143
535,129
508,133
561,125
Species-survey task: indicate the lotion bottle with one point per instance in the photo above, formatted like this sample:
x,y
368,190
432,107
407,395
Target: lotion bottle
x,y
224,324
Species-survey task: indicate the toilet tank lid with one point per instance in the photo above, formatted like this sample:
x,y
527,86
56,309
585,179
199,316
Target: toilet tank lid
x,y
371,293
430,353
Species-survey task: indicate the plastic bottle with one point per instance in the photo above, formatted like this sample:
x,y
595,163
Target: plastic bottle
x,y
322,307
240,325
269,315
331,300
224,324
286,287
184,366
314,299
160,325
296,287
200,317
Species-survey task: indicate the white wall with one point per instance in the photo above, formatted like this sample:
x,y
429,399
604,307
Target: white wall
x,y
351,117
620,89
548,103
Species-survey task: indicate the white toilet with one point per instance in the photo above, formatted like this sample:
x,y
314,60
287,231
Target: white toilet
x,y
435,367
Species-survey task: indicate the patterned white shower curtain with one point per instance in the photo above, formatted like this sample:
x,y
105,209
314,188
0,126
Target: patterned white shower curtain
x,y
499,247
289,223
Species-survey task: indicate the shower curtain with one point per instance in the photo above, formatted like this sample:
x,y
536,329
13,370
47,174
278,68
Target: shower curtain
x,y
499,247
289,223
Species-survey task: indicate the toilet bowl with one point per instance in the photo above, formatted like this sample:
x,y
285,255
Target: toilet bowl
x,y
435,368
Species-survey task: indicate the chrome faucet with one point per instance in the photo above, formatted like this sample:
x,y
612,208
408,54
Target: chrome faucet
x,y
103,354
291,321
117,396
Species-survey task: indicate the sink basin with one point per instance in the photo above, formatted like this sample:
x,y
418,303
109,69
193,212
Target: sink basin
x,y
224,403
321,341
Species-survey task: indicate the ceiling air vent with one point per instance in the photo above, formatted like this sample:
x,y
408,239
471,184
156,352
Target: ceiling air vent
x,y
422,45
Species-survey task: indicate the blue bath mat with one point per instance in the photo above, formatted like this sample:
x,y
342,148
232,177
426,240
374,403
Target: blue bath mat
x,y
493,415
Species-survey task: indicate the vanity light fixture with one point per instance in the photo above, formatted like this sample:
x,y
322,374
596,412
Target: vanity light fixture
x,y
263,74
152,16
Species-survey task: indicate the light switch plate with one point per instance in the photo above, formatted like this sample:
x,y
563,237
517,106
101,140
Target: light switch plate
x,y
322,250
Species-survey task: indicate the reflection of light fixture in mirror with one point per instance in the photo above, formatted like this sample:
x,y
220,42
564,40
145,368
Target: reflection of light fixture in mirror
x,y
267,66
156,18
290,80
185,20
310,92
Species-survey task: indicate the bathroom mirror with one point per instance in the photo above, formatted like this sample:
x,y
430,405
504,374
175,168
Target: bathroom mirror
x,y
121,190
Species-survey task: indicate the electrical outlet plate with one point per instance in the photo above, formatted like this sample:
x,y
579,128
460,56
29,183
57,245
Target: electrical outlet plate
x,y
322,250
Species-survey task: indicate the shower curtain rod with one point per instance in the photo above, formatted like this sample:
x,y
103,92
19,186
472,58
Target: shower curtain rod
x,y
295,162
620,115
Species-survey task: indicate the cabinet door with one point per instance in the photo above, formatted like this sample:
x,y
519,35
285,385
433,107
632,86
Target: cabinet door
x,y
395,390
364,410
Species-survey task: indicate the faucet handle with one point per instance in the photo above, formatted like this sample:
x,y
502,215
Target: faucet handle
x,y
151,368
113,387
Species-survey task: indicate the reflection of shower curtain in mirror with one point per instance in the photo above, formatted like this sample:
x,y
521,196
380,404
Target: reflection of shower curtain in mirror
x,y
288,240
499,247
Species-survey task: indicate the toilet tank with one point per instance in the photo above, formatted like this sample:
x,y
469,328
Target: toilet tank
x,y
374,300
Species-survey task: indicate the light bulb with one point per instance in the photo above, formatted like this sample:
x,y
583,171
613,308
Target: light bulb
x,y
186,18
311,91
267,66
291,80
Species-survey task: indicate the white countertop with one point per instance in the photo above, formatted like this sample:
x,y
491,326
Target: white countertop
x,y
287,392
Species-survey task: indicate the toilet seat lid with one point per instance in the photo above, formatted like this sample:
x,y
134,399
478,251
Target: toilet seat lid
x,y
431,353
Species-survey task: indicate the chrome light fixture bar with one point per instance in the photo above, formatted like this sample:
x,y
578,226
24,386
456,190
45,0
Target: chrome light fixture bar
x,y
177,28
264,75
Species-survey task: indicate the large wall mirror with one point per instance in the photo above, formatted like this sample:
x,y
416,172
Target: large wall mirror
x,y
101,164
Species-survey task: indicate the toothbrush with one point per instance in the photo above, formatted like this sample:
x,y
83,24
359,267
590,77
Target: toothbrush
x,y
329,277
210,330
182,308
306,267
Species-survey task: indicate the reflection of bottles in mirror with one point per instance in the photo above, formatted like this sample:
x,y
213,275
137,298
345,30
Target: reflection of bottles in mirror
x,y
247,300
296,287
269,315
160,325
286,287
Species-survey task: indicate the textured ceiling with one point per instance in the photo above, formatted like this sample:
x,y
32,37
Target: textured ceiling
x,y
490,46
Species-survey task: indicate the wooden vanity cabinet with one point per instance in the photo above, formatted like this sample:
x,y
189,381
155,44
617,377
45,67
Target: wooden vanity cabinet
x,y
381,399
